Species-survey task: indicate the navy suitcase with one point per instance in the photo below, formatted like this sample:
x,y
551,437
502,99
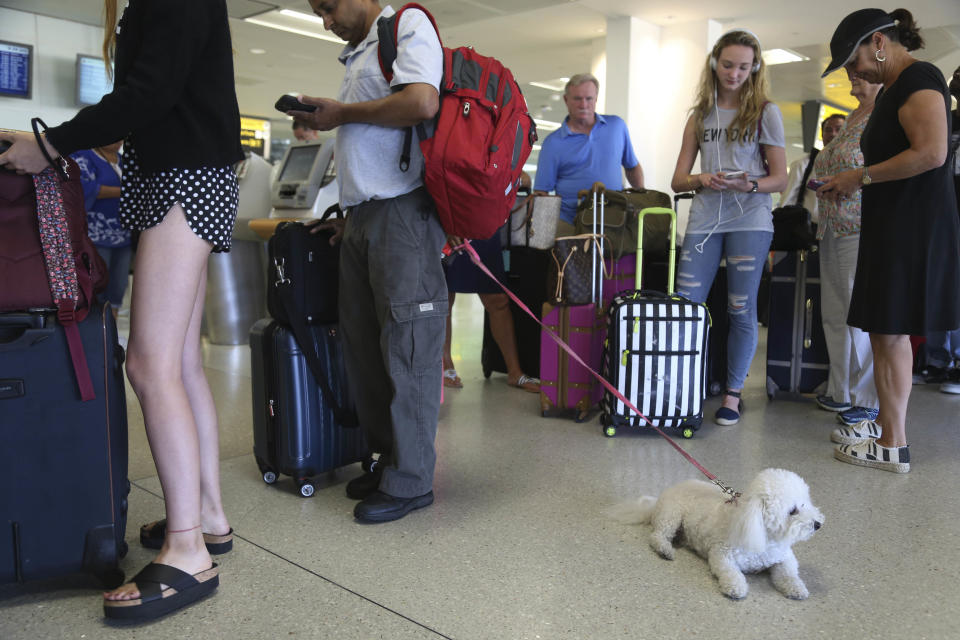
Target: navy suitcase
x,y
295,432
63,462
797,359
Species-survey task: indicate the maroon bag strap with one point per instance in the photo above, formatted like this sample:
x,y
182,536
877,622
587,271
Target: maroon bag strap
x,y
61,269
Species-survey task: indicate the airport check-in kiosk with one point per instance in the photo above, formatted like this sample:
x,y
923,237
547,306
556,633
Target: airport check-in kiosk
x,y
306,181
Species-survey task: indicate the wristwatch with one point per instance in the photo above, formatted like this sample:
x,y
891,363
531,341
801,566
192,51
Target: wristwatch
x,y
865,179
756,186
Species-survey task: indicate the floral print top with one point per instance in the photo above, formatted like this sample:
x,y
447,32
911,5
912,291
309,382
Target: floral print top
x,y
841,154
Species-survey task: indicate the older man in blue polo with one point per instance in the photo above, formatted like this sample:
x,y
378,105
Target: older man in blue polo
x,y
587,148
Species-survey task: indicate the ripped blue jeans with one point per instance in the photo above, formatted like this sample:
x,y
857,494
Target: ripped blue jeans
x,y
746,253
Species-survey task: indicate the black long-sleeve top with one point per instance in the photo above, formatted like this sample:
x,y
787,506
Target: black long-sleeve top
x,y
173,91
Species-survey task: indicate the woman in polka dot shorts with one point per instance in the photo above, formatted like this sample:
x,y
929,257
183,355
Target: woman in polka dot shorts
x,y
175,106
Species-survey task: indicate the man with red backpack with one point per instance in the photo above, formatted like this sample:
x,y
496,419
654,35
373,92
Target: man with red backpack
x,y
393,295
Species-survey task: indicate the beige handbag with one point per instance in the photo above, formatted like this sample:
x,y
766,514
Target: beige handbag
x,y
533,223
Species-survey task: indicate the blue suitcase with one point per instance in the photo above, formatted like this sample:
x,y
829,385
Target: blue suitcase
x,y
295,431
63,462
797,359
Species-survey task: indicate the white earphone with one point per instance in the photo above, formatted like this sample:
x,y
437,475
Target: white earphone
x,y
713,65
715,53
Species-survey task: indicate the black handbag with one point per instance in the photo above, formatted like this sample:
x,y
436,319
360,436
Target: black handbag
x,y
793,227
302,292
307,266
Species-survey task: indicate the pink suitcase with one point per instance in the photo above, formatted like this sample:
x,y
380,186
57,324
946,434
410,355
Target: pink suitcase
x,y
565,383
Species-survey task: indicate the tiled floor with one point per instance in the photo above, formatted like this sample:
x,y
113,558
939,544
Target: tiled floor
x,y
517,546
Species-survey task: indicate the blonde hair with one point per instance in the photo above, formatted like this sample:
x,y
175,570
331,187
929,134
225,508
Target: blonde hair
x,y
109,33
753,92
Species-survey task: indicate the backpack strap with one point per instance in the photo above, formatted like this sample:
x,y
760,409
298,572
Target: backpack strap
x,y
387,28
387,36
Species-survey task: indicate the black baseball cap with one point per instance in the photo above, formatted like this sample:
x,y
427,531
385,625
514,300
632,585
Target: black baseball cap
x,y
852,31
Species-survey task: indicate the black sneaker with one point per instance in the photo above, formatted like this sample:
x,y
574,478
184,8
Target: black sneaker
x,y
364,486
934,375
951,382
382,507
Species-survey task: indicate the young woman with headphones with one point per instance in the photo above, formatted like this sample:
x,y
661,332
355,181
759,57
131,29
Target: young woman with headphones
x,y
738,134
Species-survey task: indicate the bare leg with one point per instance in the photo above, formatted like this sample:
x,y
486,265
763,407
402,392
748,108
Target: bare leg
x,y
204,410
893,375
732,402
501,326
452,380
166,296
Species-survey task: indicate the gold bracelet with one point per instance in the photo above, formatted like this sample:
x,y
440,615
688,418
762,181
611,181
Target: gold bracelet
x,y
690,183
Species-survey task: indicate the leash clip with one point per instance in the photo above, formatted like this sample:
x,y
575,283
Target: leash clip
x,y
727,490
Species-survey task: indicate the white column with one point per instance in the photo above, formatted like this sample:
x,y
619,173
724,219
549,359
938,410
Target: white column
x,y
651,80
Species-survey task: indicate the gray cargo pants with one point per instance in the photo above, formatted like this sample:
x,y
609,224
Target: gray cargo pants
x,y
393,308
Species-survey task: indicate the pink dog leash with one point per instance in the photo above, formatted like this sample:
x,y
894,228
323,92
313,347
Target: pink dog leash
x,y
609,387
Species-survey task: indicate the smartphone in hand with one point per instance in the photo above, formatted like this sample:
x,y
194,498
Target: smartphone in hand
x,y
731,175
290,103
815,184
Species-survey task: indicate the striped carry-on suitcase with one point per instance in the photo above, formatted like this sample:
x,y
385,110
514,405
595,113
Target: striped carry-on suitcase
x,y
655,353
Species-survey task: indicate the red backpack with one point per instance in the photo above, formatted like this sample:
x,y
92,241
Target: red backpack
x,y
483,135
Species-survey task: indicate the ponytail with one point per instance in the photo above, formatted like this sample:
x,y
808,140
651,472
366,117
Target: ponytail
x,y
906,31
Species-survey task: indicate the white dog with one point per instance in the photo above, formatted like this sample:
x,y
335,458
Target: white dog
x,y
752,533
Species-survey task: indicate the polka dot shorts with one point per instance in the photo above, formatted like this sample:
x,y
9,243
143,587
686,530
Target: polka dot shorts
x,y
208,197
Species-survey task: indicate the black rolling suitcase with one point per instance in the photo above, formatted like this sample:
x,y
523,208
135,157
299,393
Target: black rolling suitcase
x,y
297,431
797,359
527,279
63,462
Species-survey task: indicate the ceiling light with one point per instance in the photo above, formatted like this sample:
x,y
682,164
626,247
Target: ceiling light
x,y
294,22
546,124
782,56
258,52
553,85
797,145
300,15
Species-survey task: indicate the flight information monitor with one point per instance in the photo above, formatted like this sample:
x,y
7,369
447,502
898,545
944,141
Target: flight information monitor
x,y
16,67
92,80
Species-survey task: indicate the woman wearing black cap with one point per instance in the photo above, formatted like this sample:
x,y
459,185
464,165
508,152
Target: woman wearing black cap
x,y
908,269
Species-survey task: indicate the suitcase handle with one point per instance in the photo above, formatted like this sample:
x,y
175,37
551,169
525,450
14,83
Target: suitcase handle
x,y
672,251
26,338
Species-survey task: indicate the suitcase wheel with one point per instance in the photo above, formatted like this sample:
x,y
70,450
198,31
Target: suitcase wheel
x,y
609,430
688,432
269,476
306,488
